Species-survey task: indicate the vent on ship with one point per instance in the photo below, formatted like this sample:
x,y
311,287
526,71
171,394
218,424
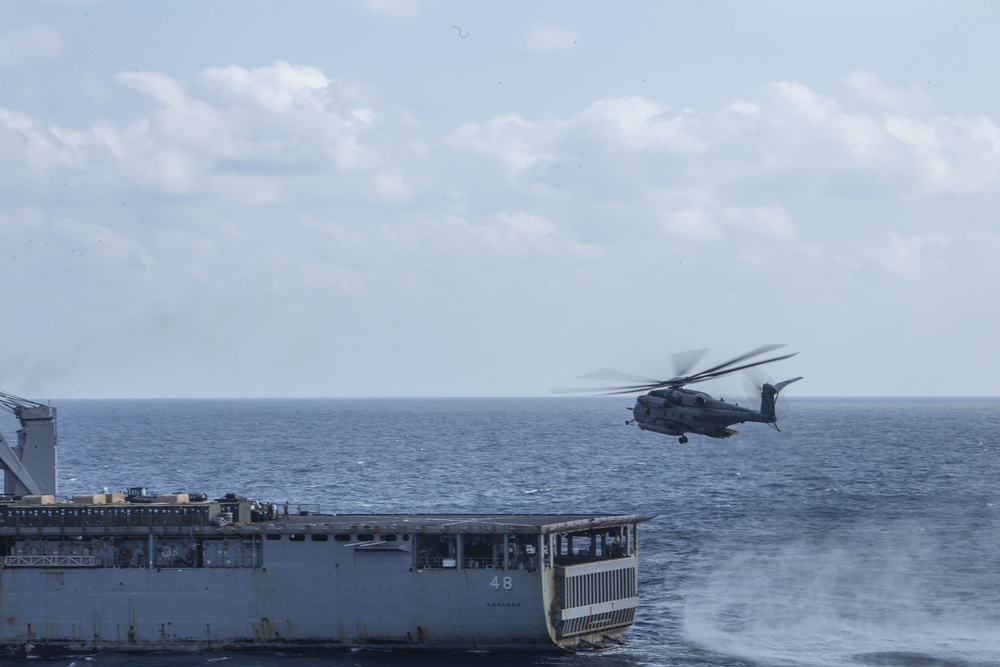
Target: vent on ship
x,y
596,596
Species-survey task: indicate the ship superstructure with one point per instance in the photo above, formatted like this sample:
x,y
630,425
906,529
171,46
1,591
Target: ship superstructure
x,y
130,570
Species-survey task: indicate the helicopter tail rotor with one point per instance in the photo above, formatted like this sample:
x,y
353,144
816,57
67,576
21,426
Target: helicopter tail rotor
x,y
753,380
768,396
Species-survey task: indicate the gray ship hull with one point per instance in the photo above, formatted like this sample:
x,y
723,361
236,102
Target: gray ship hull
x,y
184,609
427,581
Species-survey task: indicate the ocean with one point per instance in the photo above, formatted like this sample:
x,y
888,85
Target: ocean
x,y
865,533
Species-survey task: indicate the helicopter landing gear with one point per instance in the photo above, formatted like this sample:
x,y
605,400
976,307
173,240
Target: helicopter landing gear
x,y
683,439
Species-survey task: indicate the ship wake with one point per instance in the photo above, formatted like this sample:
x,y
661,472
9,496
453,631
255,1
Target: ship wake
x,y
866,598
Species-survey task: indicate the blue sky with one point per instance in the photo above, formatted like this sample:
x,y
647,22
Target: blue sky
x,y
491,199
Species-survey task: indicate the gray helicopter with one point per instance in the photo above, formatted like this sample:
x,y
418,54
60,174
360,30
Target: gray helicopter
x,y
669,408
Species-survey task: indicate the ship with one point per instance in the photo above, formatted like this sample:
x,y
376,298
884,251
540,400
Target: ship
x,y
134,570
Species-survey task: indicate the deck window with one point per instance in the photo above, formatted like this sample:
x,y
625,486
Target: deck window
x,y
436,551
590,545
482,552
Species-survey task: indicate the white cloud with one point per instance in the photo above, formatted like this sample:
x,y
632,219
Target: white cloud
x,y
276,135
549,38
639,124
801,136
276,88
281,122
182,137
744,108
41,150
800,103
160,87
509,139
869,88
949,156
29,46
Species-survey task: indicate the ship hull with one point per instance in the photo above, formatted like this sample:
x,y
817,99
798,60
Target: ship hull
x,y
424,581
268,607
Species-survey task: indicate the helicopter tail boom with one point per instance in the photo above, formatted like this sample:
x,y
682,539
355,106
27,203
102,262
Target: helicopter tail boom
x,y
768,396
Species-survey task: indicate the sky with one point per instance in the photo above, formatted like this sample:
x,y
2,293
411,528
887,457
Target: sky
x,y
457,198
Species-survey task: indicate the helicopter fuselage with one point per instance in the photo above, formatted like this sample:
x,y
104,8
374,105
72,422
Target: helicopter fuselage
x,y
676,411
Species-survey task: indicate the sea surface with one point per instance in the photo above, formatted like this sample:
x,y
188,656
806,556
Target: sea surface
x,y
866,533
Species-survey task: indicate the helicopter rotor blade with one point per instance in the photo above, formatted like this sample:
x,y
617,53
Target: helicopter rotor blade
x,y
606,391
630,390
763,349
684,361
701,377
612,375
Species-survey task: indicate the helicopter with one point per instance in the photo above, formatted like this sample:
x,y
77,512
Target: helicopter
x,y
669,408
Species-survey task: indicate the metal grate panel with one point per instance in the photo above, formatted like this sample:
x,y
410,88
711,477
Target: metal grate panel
x,y
596,596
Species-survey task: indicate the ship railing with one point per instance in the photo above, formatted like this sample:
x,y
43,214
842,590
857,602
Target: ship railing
x,y
118,519
433,562
480,563
50,561
300,509
596,596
